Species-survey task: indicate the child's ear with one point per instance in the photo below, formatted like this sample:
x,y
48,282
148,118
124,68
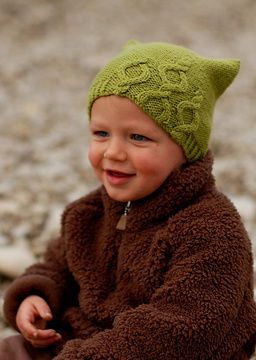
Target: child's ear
x,y
222,73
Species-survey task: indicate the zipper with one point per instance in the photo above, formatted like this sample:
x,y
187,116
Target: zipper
x,y
121,225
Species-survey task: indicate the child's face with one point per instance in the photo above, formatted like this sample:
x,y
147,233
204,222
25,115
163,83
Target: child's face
x,y
130,154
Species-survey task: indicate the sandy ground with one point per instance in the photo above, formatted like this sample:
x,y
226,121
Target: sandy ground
x,y
49,53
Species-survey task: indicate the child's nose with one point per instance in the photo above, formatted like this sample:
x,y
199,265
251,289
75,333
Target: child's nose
x,y
115,151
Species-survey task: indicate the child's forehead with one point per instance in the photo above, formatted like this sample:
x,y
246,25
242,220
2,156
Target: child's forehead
x,y
116,103
121,111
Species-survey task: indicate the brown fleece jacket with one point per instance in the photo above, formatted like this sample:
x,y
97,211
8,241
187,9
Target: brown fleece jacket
x,y
175,284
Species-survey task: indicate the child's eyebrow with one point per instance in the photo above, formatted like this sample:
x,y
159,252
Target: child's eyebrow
x,y
140,128
98,123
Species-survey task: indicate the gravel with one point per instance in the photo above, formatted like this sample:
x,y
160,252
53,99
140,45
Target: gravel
x,y
50,51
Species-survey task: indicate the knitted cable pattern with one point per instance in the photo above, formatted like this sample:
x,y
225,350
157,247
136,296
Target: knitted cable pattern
x,y
176,87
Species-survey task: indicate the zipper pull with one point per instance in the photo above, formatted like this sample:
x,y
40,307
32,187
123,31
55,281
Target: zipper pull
x,y
121,225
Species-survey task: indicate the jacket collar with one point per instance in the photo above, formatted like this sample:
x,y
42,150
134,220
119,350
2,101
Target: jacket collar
x,y
181,188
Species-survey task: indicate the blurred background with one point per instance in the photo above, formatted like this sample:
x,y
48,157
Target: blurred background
x,y
50,52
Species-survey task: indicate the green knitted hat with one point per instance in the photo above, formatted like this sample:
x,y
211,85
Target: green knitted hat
x,y
176,87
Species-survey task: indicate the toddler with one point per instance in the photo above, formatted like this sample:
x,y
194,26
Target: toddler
x,y
156,263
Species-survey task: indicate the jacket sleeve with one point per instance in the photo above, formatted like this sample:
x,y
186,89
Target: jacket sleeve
x,y
48,279
187,317
51,278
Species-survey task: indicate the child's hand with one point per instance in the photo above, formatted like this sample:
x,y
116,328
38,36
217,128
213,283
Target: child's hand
x,y
31,320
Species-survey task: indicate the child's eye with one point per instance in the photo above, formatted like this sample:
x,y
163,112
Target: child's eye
x,y
100,133
138,137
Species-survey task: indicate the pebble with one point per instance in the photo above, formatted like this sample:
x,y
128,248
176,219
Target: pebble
x,y
246,206
14,259
3,240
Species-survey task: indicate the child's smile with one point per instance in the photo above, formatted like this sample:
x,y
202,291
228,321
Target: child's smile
x,y
131,155
118,178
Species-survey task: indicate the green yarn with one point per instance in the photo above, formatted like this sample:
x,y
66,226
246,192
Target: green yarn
x,y
175,86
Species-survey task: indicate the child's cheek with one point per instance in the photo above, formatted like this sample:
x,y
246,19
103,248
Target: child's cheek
x,y
95,161
93,156
147,164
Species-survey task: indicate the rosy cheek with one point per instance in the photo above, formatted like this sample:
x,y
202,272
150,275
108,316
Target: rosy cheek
x,y
93,156
145,166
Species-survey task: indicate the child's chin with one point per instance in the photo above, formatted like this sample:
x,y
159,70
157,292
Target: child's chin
x,y
119,196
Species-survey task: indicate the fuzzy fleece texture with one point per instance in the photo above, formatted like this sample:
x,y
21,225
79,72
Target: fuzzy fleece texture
x,y
175,284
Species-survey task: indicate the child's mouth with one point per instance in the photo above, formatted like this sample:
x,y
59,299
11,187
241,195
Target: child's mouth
x,y
117,173
117,177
